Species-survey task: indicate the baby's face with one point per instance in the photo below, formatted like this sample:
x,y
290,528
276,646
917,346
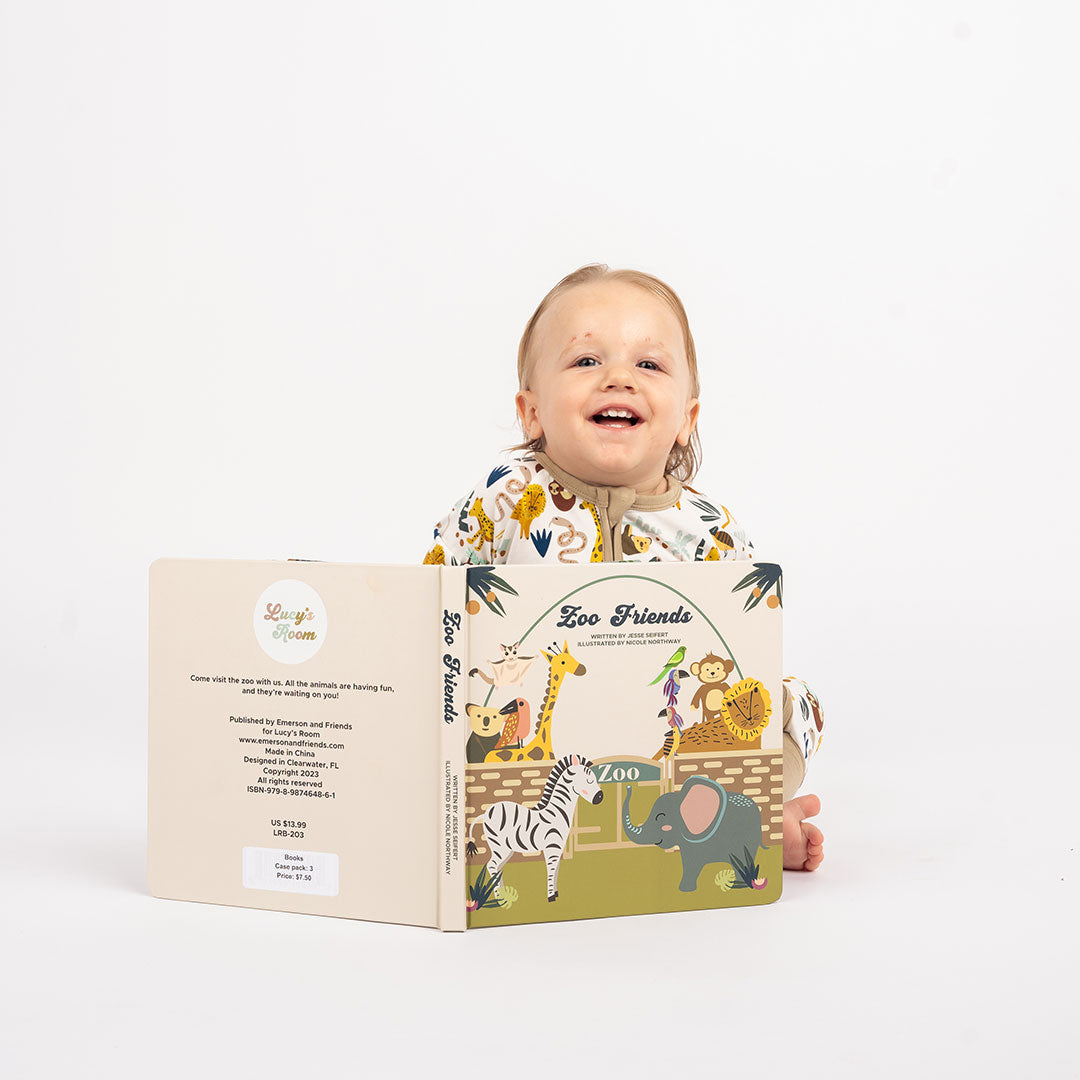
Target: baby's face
x,y
609,346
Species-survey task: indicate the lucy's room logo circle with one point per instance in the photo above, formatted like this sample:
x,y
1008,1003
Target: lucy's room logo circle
x,y
290,621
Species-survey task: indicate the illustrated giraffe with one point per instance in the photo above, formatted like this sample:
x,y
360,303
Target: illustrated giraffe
x,y
538,748
597,548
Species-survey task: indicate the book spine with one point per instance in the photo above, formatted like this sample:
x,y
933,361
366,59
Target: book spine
x,y
453,656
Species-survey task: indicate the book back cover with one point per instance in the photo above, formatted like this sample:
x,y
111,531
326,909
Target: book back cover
x,y
293,746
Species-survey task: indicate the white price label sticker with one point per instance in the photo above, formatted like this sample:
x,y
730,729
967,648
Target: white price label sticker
x,y
314,872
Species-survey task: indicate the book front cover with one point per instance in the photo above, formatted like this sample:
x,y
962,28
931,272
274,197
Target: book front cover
x,y
624,750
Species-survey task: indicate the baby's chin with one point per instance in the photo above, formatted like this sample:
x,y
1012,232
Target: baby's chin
x,y
613,469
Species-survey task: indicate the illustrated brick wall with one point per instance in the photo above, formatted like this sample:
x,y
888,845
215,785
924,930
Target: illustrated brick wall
x,y
486,784
756,774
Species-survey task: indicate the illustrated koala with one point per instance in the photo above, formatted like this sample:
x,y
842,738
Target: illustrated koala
x,y
487,725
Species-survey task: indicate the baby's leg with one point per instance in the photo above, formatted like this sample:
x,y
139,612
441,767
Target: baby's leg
x,y
803,841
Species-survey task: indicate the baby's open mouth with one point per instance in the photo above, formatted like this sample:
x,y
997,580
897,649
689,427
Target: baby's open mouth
x,y
616,418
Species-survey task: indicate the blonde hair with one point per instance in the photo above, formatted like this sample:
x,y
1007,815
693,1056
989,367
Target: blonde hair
x,y
683,461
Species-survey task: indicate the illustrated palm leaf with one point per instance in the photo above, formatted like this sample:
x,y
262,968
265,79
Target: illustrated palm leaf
x,y
497,474
725,878
708,511
764,576
541,541
746,870
681,540
484,582
484,893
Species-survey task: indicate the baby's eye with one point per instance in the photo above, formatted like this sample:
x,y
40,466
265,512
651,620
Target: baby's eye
x,y
649,365
585,361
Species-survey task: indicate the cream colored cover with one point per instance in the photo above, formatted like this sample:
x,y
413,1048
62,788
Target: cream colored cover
x,y
644,772
447,746
294,760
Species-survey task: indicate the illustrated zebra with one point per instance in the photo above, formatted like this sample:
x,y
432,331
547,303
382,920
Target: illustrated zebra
x,y
510,827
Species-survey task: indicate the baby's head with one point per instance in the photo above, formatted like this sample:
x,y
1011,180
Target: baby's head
x,y
608,380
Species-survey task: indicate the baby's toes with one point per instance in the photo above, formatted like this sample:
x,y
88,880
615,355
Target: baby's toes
x,y
815,850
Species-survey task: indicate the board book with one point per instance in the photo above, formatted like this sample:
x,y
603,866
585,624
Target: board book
x,y
463,747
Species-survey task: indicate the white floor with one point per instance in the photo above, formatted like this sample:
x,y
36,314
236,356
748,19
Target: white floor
x,y
920,948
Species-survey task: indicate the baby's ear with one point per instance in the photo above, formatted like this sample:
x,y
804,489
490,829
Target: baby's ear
x,y
693,406
528,414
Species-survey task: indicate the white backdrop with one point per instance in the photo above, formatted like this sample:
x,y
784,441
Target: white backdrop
x,y
259,259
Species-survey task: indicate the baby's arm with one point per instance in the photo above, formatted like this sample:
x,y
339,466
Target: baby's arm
x,y
803,718
463,537
803,723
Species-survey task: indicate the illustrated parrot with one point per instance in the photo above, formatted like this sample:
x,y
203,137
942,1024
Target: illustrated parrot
x,y
673,662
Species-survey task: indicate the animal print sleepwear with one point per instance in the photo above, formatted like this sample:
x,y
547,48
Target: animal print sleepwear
x,y
528,510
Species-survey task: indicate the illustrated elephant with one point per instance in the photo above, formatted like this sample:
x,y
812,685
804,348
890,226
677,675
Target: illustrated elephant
x,y
709,824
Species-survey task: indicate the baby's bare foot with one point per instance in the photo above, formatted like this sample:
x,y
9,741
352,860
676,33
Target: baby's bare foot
x,y
803,842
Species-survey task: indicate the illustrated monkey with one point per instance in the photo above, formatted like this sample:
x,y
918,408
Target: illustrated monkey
x,y
712,671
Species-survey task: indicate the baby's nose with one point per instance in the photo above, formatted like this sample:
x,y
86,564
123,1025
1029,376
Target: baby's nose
x,y
619,375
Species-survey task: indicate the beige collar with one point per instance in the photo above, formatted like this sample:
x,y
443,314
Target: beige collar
x,y
617,499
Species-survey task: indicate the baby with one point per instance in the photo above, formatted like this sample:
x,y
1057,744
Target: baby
x,y
608,404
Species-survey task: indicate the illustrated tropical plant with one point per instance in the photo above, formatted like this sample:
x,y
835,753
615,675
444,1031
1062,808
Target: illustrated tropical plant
x,y
483,893
508,895
764,577
497,474
710,512
483,581
725,878
747,871
542,541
